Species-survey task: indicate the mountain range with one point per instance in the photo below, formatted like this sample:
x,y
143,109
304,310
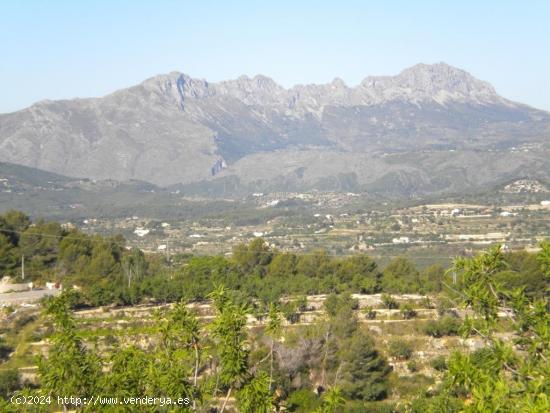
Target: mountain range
x,y
430,129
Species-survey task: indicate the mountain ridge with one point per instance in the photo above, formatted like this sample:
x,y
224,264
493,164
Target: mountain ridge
x,y
174,129
426,79
431,78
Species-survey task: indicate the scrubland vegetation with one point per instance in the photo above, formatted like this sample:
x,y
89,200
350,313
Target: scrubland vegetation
x,y
250,332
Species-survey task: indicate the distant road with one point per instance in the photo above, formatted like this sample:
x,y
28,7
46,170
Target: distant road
x,y
24,297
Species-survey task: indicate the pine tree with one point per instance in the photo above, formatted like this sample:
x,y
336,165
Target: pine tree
x,y
364,371
69,369
229,331
273,328
255,396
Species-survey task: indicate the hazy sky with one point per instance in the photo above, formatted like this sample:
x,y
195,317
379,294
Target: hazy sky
x,y
76,48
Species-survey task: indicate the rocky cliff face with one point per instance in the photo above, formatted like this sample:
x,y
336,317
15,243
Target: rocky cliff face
x,y
173,128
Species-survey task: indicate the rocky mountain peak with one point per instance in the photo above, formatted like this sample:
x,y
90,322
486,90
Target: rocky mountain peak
x,y
173,89
440,83
441,76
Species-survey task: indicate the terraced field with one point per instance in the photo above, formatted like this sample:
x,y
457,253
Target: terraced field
x,y
417,362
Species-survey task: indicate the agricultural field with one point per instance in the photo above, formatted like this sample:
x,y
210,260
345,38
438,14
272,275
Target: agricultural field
x,y
416,334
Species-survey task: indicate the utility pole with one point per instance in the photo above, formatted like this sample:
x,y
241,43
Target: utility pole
x,y
22,267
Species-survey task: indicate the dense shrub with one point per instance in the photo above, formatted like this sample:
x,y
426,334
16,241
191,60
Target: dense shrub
x,y
439,363
389,302
401,275
302,401
400,349
437,404
445,326
5,349
290,312
9,382
370,313
408,311
334,303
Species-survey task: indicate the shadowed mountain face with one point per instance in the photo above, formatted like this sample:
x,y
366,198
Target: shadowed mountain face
x,y
432,128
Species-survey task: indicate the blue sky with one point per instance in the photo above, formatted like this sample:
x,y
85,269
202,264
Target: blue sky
x,y
62,49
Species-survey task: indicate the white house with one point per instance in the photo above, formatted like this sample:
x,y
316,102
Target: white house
x,y
141,232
